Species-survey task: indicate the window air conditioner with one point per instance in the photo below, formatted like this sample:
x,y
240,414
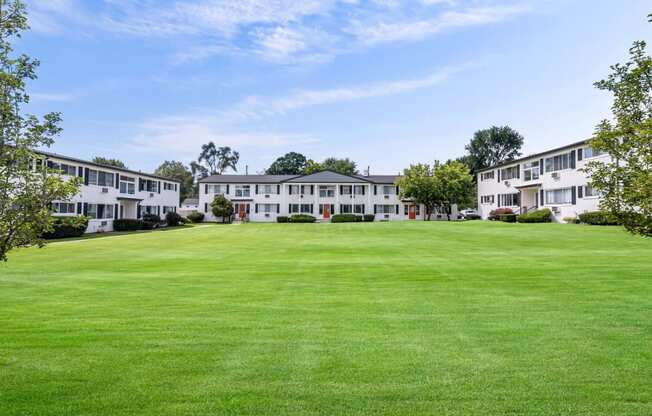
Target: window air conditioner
x,y
267,214
151,195
266,196
386,215
555,175
555,210
386,196
105,190
507,183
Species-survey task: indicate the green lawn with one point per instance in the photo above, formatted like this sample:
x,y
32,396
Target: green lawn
x,y
303,319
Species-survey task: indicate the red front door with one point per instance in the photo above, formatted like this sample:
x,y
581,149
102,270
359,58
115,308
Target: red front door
x,y
412,212
327,212
243,211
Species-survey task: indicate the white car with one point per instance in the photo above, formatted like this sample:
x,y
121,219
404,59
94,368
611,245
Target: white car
x,y
466,212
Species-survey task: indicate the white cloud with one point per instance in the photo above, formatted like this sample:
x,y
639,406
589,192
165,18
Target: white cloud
x,y
417,29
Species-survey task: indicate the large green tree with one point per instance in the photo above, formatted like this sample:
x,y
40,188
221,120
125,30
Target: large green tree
x,y
109,162
418,183
289,164
343,166
493,146
453,185
179,172
27,188
626,181
218,160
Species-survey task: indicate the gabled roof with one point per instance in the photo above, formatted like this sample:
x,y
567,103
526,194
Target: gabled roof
x,y
327,176
246,178
382,179
533,156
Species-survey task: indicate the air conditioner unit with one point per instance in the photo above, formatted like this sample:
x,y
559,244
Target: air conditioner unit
x,y
555,175
105,190
266,196
386,196
507,183
556,210
151,195
386,215
267,214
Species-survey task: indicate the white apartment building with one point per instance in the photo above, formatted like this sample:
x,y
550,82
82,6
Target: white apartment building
x,y
108,193
552,179
323,194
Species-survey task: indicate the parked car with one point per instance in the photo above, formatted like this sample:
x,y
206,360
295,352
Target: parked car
x,y
469,212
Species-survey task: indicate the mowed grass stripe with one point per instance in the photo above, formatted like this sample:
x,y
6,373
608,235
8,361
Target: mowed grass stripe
x,y
307,319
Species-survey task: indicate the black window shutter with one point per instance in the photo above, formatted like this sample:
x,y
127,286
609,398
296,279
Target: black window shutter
x,y
227,189
540,166
580,154
580,191
289,208
140,185
159,187
397,192
290,190
375,193
256,194
116,177
80,172
572,159
85,209
498,196
397,211
340,208
363,188
115,212
518,171
158,210
79,208
278,189
175,189
573,195
341,193
375,209
498,176
312,189
86,174
312,208
541,198
256,209
278,208
206,188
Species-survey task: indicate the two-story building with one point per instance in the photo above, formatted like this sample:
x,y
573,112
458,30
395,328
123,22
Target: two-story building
x,y
322,194
553,179
108,192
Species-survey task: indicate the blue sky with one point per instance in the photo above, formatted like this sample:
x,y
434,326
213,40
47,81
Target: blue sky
x,y
384,82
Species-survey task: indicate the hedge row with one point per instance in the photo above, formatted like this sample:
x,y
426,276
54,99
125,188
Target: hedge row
x,y
542,215
64,227
598,218
302,218
196,217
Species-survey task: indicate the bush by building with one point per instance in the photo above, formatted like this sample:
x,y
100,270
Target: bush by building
x,y
369,217
598,218
282,218
346,218
508,217
64,227
196,217
541,215
151,221
173,219
127,225
302,218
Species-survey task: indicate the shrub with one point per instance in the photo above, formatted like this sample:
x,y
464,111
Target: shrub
x,y
151,221
302,218
173,219
64,227
196,217
282,218
473,217
508,217
496,213
598,218
541,215
346,218
571,220
127,225
368,217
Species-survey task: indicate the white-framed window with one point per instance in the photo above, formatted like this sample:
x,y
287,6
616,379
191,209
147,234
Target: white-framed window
x,y
509,200
169,186
531,170
346,209
386,209
294,208
558,196
486,176
358,209
590,152
306,208
267,189
148,185
509,173
590,191
294,189
487,199
63,168
389,190
267,208
242,191
63,208
100,178
358,189
127,187
216,189
326,191
99,211
559,162
148,209
346,189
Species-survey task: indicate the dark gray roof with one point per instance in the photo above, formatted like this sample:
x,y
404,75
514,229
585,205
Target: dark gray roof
x,y
327,177
73,159
384,179
246,178
532,156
